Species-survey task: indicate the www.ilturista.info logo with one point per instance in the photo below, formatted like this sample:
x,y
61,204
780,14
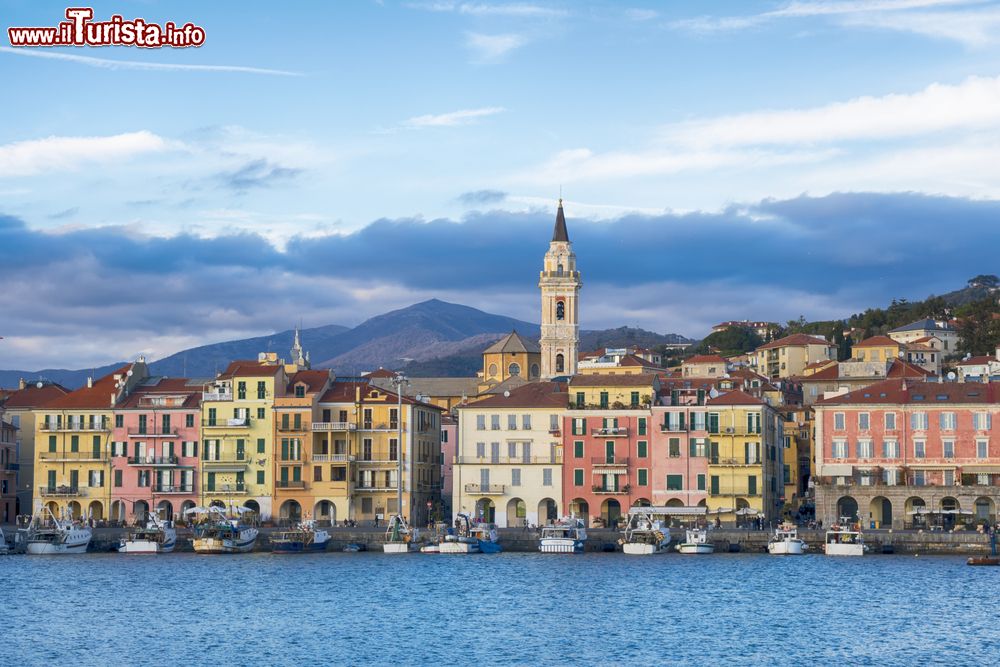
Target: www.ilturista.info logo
x,y
81,30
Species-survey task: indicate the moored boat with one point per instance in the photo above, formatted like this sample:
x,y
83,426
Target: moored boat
x,y
398,536
50,535
567,536
786,542
696,542
644,534
4,548
221,532
303,537
842,540
152,536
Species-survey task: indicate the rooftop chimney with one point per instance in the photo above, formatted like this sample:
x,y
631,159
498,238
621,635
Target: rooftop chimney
x,y
21,384
90,382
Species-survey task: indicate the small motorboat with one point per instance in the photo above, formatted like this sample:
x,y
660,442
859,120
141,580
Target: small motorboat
x,y
354,548
303,537
786,542
696,542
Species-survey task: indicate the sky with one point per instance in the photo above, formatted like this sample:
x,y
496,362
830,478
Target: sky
x,y
327,162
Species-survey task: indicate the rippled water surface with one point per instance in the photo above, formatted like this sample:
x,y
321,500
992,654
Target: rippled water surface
x,y
260,609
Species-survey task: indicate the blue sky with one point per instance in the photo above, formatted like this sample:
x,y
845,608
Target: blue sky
x,y
330,161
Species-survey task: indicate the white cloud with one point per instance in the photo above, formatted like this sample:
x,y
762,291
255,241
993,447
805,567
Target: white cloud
x,y
24,158
493,48
107,63
452,118
971,28
487,9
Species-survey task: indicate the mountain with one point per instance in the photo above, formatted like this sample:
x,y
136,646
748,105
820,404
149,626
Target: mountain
x,y
428,338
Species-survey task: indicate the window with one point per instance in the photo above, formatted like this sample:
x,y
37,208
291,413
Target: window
x,y
526,422
604,399
634,399
300,391
546,476
982,421
947,421
514,369
261,413
674,448
241,390
715,485
578,477
515,477
261,390
919,478
52,443
865,449
260,477
642,426
560,364
701,481
675,482
982,449
579,426
890,476
578,449
890,449
189,421
554,423
918,421
698,447
118,478
919,449
713,422
839,449
752,485
751,452
838,421
949,478
643,477
495,422
261,446
890,421
480,450
119,421
560,307
642,449
863,421
480,422
949,449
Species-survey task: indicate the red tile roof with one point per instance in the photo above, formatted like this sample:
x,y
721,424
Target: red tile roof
x,y
878,341
795,340
314,380
900,368
96,397
164,386
977,361
34,397
913,392
533,395
250,368
705,359
381,373
344,392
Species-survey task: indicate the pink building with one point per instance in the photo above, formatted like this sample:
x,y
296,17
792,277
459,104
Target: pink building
x,y
907,454
607,463
155,449
449,449
680,446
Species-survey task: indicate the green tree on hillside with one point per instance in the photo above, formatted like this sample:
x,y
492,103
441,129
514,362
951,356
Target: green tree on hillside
x,y
734,340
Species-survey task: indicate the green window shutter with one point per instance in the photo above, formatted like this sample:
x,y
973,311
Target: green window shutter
x,y
701,397
52,443
204,451
581,399
96,444
680,416
578,448
642,426
211,482
752,485
284,449
240,449
642,449
713,422
260,476
692,447
578,477
260,446
675,482
634,398
74,443
715,485
297,474
240,480
701,481
643,477
118,478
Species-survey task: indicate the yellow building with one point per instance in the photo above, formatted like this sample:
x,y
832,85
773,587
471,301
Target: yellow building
x,y
511,356
878,349
238,435
745,457
73,445
797,445
790,355
356,433
297,476
613,391
618,361
704,366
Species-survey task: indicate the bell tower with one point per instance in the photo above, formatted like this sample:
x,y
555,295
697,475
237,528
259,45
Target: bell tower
x,y
560,284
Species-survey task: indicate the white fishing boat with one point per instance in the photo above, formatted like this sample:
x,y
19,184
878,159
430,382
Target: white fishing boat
x,y
567,536
49,535
644,534
696,542
842,540
470,539
217,531
786,542
151,536
398,536
305,536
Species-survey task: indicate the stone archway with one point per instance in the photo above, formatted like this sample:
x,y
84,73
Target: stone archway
x,y
325,512
880,511
516,513
847,507
611,512
985,509
95,510
165,510
548,511
580,508
642,502
118,511
140,509
486,510
290,511
74,509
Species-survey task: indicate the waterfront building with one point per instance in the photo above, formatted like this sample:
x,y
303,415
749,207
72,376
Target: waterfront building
x,y
73,445
926,352
797,456
154,450
237,431
8,470
679,443
560,284
905,453
940,329
746,438
601,391
20,406
300,472
788,356
357,430
508,462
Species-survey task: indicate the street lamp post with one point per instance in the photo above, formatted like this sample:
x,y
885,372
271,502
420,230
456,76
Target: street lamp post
x,y
399,381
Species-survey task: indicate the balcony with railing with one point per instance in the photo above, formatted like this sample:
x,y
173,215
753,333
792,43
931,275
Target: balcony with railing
x,y
227,488
381,426
226,422
602,489
332,458
486,489
292,427
146,433
173,488
612,431
732,463
82,457
229,461
290,484
93,426
377,486
152,460
509,460
605,461
216,396
62,490
334,426
360,460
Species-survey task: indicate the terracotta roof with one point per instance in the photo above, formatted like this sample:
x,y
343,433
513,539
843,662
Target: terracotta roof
x,y
512,382
900,368
250,368
313,379
601,380
97,396
927,339
796,340
918,393
532,395
344,392
977,361
734,397
512,342
705,359
34,397
878,341
166,386
830,373
381,373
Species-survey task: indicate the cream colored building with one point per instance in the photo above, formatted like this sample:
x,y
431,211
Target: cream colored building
x,y
508,462
790,355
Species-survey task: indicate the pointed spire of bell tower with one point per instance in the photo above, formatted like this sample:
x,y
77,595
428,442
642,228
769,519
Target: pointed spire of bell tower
x,y
559,233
